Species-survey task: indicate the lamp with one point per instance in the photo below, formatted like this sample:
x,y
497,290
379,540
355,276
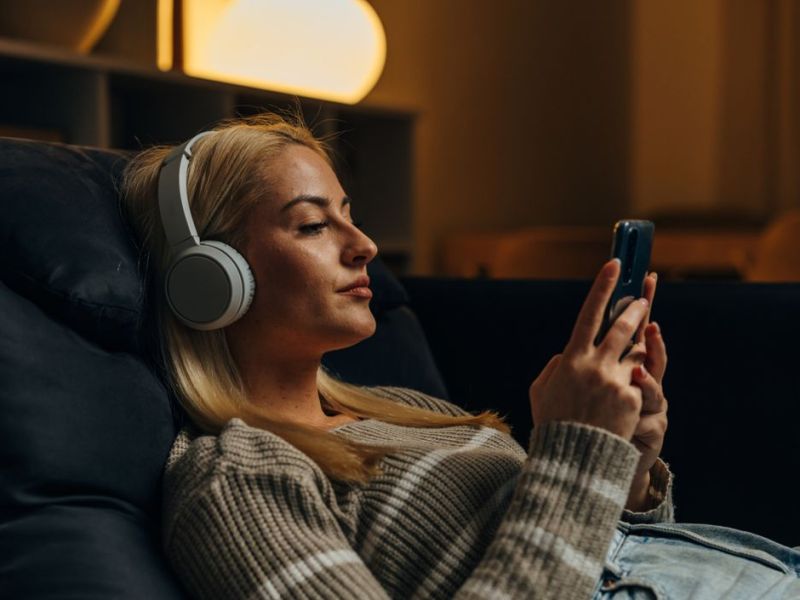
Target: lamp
x,y
328,49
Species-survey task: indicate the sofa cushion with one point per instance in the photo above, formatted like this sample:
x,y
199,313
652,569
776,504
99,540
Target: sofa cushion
x,y
63,240
85,433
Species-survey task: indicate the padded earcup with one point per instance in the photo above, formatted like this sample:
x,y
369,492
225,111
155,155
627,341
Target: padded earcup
x,y
245,274
209,286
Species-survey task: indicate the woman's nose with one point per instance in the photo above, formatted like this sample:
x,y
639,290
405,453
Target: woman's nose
x,y
360,248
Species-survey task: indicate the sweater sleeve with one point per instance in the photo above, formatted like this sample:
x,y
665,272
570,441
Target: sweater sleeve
x,y
235,528
553,540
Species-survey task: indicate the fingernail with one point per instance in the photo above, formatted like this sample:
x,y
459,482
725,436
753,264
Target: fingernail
x,y
644,301
641,372
658,327
655,275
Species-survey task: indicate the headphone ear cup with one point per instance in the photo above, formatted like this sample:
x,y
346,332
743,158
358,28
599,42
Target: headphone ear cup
x,y
209,286
246,279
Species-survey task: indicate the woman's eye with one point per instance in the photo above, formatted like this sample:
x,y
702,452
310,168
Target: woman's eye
x,y
314,228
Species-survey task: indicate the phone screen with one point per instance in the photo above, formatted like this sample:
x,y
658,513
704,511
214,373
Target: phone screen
x,y
632,243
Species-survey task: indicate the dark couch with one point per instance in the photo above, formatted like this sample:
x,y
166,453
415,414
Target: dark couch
x,y
86,423
732,380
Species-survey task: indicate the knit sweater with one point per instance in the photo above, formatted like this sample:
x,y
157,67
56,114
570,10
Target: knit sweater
x,y
458,512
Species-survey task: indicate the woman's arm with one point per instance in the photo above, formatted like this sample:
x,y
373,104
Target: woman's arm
x,y
553,540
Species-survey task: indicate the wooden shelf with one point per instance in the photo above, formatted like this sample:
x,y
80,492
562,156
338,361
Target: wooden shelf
x,y
109,102
578,252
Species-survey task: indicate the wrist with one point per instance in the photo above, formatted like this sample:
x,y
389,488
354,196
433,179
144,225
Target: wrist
x,y
639,494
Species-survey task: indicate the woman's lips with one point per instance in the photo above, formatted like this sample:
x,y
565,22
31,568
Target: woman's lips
x,y
359,292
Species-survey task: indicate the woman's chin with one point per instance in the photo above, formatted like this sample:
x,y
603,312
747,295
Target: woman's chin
x,y
355,334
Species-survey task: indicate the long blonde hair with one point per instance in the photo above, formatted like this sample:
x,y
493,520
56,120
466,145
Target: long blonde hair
x,y
227,171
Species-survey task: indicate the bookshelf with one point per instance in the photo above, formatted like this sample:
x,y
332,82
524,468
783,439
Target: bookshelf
x,y
53,94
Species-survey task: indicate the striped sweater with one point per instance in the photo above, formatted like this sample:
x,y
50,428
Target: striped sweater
x,y
458,512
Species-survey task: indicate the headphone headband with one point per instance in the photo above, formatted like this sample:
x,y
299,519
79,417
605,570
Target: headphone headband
x,y
173,201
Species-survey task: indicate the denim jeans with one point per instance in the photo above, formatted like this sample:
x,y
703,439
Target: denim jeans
x,y
682,561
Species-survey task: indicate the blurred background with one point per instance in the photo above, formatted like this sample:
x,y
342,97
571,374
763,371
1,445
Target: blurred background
x,y
494,138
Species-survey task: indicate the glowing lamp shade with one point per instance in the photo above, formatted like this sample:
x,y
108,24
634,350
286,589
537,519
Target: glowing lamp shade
x,y
330,49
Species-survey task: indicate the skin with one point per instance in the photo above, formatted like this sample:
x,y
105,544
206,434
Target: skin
x,y
298,264
589,384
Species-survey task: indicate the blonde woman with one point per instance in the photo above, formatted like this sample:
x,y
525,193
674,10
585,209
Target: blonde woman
x,y
289,483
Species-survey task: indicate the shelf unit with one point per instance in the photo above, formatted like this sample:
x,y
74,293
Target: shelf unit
x,y
52,93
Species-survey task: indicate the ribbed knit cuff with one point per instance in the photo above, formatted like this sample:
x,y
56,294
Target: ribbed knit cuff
x,y
588,448
585,458
663,511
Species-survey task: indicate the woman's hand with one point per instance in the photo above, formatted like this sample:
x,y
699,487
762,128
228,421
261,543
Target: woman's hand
x,y
650,354
587,383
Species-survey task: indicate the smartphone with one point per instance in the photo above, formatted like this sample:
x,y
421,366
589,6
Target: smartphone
x,y
632,242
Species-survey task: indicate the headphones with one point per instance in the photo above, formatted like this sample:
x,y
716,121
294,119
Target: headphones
x,y
208,284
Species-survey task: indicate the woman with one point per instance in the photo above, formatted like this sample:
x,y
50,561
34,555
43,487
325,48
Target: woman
x,y
289,483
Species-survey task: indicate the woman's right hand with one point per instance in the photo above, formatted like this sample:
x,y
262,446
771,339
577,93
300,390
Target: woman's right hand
x,y
587,383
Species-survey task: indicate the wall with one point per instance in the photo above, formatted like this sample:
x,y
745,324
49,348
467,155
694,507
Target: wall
x,y
677,70
537,112
523,112
715,128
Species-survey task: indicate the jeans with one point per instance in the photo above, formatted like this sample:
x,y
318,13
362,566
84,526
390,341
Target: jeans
x,y
682,561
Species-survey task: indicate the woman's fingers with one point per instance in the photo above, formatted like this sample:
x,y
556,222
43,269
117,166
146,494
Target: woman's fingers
x,y
649,438
618,338
653,400
637,354
590,317
649,292
656,361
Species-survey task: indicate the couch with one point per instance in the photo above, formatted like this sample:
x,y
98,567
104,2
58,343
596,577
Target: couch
x,y
86,421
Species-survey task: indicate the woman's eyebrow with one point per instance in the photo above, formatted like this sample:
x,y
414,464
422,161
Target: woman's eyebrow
x,y
318,200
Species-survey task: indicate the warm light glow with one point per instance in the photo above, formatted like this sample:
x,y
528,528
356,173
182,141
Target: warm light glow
x,y
330,49
104,13
164,27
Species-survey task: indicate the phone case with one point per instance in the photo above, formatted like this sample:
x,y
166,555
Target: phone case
x,y
632,244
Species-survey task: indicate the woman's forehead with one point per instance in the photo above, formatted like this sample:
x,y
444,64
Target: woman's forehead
x,y
299,177
299,170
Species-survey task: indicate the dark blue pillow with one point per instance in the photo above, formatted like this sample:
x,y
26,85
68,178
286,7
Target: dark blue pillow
x,y
85,424
85,433
64,242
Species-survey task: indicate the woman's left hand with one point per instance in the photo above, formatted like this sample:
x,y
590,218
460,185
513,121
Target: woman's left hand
x,y
650,351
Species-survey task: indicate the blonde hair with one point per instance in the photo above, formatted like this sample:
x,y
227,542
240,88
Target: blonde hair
x,y
228,170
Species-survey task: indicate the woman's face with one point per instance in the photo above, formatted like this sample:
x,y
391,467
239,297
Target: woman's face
x,y
303,249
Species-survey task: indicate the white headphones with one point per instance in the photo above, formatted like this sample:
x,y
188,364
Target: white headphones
x,y
208,284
